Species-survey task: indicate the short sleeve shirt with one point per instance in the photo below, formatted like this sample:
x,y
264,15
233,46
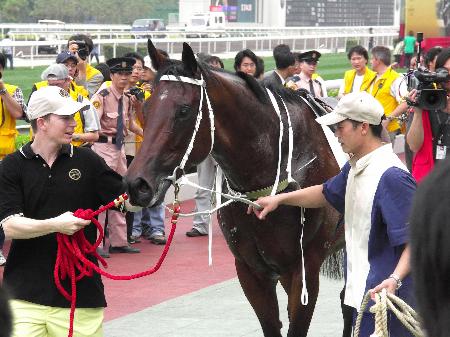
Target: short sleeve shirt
x,y
78,178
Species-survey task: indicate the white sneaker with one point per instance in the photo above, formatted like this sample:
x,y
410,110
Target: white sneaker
x,y
2,258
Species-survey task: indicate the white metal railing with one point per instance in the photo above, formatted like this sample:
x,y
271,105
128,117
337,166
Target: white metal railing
x,y
321,40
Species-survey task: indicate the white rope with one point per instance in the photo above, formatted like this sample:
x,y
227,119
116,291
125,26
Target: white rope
x,y
277,110
304,296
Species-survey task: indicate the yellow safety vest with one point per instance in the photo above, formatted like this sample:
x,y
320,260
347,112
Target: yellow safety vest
x,y
91,72
74,91
8,130
140,139
349,78
381,90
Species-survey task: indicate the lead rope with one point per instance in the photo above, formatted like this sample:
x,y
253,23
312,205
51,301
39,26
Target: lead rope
x,y
384,301
71,257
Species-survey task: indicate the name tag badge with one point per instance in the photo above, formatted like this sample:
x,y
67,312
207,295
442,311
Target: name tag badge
x,y
441,152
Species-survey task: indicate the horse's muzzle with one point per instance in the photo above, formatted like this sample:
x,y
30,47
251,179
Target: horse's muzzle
x,y
139,191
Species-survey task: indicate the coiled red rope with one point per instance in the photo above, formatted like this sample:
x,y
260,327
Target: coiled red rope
x,y
72,252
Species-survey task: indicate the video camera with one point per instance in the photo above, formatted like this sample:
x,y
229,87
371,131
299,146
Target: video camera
x,y
83,51
137,92
428,97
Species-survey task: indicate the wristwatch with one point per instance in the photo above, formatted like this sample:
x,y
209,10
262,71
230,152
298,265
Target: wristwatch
x,y
397,279
2,91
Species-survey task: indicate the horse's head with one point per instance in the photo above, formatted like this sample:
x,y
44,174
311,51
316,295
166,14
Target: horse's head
x,y
171,116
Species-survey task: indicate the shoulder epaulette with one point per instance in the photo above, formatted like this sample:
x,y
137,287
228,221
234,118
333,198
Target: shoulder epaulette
x,y
104,92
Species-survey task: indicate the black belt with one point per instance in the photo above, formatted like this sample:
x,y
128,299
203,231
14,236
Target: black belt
x,y
104,139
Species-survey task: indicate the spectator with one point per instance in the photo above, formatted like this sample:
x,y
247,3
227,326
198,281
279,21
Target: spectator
x,y
389,88
360,77
246,62
214,61
88,124
40,186
374,190
94,54
87,76
205,175
8,51
398,52
285,66
371,39
114,111
259,73
104,69
12,107
308,78
431,57
429,134
151,219
409,48
430,261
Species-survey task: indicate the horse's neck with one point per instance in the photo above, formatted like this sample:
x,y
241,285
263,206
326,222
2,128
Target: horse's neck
x,y
246,145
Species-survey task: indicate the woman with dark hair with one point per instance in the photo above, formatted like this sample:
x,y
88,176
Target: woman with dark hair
x,y
246,61
360,77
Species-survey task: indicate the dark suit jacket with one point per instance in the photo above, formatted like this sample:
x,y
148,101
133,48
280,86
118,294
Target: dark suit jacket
x,y
272,81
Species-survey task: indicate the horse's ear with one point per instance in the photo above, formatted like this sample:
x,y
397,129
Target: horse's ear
x,y
188,58
157,58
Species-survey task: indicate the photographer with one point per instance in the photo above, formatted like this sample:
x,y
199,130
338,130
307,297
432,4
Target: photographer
x,y
429,135
81,45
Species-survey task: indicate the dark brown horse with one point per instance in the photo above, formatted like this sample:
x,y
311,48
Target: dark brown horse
x,y
246,143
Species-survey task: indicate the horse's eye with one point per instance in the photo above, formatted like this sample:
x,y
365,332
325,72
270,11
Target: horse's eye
x,y
183,111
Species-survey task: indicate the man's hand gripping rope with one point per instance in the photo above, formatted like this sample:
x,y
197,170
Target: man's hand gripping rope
x,y
72,261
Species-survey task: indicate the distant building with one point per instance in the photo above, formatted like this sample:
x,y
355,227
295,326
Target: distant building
x,y
298,13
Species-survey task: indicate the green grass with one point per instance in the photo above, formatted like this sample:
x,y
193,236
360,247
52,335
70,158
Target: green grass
x,y
24,78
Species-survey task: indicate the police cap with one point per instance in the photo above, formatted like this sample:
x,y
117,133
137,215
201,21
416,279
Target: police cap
x,y
120,64
311,55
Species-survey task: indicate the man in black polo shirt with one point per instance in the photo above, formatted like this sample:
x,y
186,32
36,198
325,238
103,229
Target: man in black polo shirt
x,y
40,186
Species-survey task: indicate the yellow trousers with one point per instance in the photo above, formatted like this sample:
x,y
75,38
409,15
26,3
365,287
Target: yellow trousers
x,y
34,320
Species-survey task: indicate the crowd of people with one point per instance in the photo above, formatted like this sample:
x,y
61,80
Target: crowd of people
x,y
87,125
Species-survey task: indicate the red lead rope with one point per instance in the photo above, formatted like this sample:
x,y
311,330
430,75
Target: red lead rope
x,y
72,250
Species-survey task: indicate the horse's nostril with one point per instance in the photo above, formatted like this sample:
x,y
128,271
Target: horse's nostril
x,y
140,192
143,187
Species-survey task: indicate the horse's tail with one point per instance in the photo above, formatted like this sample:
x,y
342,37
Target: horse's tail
x,y
333,265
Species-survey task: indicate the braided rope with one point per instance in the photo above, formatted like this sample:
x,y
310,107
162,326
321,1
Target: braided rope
x,y
72,261
384,301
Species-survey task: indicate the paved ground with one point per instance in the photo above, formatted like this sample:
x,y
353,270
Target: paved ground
x,y
222,310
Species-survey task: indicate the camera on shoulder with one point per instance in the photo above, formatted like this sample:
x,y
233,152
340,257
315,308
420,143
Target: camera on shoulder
x,y
430,97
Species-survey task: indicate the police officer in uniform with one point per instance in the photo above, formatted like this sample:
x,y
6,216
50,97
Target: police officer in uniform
x,y
308,78
114,111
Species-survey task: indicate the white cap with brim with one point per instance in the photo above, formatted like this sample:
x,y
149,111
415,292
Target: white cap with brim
x,y
52,100
357,106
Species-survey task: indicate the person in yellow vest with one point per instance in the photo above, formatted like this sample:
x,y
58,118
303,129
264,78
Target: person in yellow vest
x,y
81,46
86,131
359,78
88,123
389,88
12,107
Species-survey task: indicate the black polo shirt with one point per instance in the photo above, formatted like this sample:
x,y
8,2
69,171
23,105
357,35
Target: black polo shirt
x,y
78,178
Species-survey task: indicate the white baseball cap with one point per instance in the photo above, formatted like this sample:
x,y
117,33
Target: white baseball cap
x,y
52,100
55,71
357,106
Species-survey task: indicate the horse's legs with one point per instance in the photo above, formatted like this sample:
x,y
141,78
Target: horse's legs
x,y
260,291
300,315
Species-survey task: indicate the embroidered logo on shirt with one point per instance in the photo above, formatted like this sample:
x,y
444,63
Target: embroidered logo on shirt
x,y
96,104
74,174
